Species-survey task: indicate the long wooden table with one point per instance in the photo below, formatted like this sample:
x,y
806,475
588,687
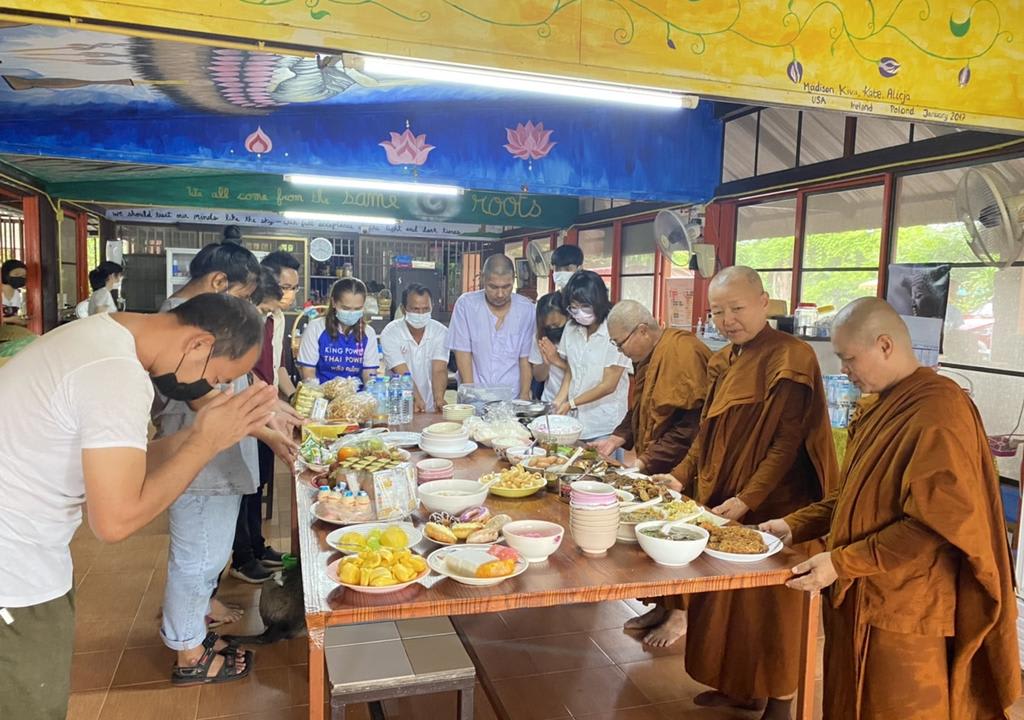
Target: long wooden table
x,y
567,577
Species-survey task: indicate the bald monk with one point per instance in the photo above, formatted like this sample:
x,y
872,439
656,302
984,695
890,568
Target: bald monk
x,y
764,449
670,382
920,610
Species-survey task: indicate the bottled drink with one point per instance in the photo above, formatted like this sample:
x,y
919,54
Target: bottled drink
x,y
407,398
394,396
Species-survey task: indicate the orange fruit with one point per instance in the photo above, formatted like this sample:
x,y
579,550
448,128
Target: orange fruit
x,y
347,452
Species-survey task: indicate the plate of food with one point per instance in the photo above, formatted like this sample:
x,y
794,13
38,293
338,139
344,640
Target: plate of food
x,y
337,513
475,526
515,482
378,572
369,455
735,543
641,486
478,565
354,539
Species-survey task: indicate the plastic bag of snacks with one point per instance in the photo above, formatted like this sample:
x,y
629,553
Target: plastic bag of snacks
x,y
357,408
306,396
339,388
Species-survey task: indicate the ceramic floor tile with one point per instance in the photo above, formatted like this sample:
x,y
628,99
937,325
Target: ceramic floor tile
x,y
564,619
145,632
626,647
299,712
111,596
688,711
437,654
144,665
263,690
530,698
97,635
594,690
504,659
565,652
662,679
481,628
437,706
645,712
94,670
158,701
283,653
86,705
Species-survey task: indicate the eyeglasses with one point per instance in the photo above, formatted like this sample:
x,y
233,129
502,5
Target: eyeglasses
x,y
289,288
619,344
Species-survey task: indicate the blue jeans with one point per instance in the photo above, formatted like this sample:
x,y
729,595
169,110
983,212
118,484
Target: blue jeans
x,y
202,530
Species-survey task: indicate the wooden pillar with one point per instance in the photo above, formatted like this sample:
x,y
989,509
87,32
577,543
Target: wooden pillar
x,y
82,255
42,262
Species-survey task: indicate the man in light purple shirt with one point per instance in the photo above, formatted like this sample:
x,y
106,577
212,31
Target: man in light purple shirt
x,y
492,331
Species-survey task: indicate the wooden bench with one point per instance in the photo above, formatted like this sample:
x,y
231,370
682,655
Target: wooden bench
x,y
373,662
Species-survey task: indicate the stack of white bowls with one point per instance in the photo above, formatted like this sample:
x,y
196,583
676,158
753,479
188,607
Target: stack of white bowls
x,y
446,440
593,516
457,412
434,469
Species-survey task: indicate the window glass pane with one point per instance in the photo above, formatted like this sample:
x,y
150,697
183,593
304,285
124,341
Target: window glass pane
x,y
764,234
639,288
638,248
821,137
779,285
843,229
927,228
877,133
596,244
681,271
776,141
514,249
837,287
738,159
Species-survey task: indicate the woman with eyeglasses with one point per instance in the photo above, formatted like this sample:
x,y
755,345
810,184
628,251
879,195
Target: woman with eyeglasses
x,y
547,365
596,385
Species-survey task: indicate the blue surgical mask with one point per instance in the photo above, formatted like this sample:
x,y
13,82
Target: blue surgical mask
x,y
348,318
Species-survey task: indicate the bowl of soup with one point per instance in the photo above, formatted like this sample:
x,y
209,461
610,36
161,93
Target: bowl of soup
x,y
452,496
679,544
535,540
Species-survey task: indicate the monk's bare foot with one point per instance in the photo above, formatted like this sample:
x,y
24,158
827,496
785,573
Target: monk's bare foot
x,y
670,630
777,710
652,617
713,698
224,614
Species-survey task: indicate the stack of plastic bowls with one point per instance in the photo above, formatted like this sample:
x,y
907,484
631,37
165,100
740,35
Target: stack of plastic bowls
x,y
457,412
446,440
434,469
593,516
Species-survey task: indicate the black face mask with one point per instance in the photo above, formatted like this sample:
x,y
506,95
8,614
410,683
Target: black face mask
x,y
554,334
16,282
170,387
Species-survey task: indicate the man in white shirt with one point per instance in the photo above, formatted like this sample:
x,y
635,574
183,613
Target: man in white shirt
x,y
83,394
418,344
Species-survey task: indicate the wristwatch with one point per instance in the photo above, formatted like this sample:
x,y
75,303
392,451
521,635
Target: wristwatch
x,y
572,404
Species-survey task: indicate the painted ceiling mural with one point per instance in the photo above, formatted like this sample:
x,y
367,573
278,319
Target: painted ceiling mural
x,y
110,97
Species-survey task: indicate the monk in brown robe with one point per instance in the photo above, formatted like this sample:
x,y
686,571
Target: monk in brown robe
x,y
670,382
764,449
919,608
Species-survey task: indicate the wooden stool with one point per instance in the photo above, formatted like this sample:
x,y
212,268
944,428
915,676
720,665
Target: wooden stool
x,y
379,661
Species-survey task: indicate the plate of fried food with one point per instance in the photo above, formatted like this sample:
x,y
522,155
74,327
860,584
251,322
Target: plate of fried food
x,y
516,482
642,487
376,572
475,526
735,543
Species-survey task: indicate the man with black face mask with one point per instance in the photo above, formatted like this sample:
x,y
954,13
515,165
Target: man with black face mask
x,y
83,394
12,280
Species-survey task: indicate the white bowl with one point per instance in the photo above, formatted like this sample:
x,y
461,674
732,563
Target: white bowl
x,y
444,428
469,494
468,449
535,540
444,439
561,429
519,453
671,553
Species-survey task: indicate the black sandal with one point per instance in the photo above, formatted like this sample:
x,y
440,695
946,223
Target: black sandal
x,y
232,644
197,674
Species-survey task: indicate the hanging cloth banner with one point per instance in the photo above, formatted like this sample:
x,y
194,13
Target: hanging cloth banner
x,y
930,61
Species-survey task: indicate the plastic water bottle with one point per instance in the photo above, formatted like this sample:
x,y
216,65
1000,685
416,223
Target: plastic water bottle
x,y
394,396
407,398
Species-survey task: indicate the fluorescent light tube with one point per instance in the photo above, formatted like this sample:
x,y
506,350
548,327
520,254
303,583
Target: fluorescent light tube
x,y
366,184
337,217
525,82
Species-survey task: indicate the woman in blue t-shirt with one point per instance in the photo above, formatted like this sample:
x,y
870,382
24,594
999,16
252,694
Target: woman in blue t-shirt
x,y
340,344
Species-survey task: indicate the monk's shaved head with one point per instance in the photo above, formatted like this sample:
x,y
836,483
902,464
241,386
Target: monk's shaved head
x,y
633,329
873,344
739,304
627,314
498,265
738,276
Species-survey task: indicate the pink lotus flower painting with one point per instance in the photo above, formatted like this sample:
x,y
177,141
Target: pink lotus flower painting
x,y
406,148
259,142
529,142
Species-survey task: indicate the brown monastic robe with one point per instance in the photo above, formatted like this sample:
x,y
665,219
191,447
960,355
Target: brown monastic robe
x,y
920,624
765,438
669,388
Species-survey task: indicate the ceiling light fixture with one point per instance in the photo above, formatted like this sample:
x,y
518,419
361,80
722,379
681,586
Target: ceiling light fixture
x,y
527,82
337,217
367,184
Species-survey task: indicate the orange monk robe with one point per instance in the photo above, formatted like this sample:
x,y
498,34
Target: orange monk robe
x,y
669,388
920,624
765,438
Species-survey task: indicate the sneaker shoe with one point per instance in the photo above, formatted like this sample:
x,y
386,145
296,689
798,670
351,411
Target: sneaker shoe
x,y
252,572
272,558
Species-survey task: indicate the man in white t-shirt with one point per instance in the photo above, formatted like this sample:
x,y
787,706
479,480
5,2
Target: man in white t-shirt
x,y
83,395
418,344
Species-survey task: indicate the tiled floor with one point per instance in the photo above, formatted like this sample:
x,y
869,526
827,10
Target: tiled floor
x,y
546,664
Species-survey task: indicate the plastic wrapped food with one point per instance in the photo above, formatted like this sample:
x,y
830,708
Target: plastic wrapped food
x,y
357,408
339,388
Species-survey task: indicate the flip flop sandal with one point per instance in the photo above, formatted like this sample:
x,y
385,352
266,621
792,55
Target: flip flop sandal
x,y
197,674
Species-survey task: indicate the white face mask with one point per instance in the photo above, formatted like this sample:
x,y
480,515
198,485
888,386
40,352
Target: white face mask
x,y
417,320
117,286
583,316
560,277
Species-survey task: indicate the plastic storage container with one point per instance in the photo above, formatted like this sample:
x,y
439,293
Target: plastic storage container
x,y
804,319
